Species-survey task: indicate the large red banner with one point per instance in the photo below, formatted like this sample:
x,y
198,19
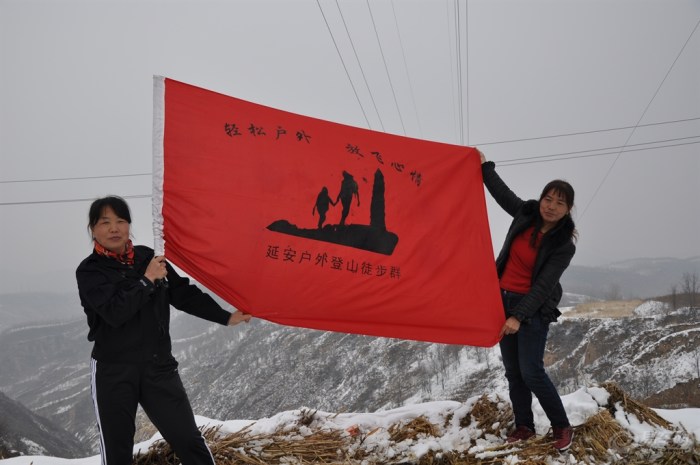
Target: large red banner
x,y
310,223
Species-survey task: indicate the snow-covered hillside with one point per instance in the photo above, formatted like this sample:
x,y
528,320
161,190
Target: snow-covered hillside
x,y
256,370
608,430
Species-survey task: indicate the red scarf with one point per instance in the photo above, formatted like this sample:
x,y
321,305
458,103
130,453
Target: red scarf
x,y
126,258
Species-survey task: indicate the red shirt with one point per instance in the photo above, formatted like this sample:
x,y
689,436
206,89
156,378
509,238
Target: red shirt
x,y
517,275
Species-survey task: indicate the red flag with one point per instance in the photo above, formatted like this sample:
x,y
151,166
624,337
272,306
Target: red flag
x,y
310,223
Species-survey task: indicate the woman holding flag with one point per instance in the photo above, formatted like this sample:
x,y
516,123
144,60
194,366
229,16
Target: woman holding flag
x,y
126,298
538,248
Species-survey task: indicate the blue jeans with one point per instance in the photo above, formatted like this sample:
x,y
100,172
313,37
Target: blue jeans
x,y
523,359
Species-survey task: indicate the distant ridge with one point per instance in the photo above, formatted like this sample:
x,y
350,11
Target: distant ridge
x,y
25,433
641,278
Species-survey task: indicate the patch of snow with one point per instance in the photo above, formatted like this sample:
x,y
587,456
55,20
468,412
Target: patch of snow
x,y
651,308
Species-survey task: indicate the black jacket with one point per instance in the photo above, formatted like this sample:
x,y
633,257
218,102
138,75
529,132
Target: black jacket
x,y
129,317
553,257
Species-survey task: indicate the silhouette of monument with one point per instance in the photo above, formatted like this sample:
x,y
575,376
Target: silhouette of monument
x,y
377,208
373,237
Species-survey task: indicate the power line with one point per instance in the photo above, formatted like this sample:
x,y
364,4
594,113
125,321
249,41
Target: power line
x,y
405,66
466,46
452,64
343,63
481,144
37,202
77,178
596,150
596,154
386,68
504,163
458,38
518,159
595,193
352,44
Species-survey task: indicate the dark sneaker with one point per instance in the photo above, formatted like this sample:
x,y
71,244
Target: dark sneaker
x,y
521,433
563,438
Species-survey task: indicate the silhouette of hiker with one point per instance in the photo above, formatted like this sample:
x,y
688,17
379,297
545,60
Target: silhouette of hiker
x,y
322,202
348,188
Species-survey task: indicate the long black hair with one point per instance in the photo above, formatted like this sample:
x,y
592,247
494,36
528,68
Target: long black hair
x,y
565,190
561,188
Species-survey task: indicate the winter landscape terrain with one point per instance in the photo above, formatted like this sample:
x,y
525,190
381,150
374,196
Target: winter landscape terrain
x,y
446,432
377,400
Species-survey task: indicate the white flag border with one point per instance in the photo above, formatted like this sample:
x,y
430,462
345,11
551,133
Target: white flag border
x,y
158,163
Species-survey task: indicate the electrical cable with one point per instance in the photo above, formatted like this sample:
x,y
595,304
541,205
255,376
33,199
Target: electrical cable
x,y
499,161
386,68
500,164
466,52
595,193
408,75
352,44
78,178
452,66
596,154
596,150
343,63
36,202
458,38
481,144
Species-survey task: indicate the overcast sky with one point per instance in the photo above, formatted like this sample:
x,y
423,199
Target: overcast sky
x,y
574,77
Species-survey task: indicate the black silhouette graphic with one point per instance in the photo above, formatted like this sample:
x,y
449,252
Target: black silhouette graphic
x,y
322,202
373,237
376,209
348,188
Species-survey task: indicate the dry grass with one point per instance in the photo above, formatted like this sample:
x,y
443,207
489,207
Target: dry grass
x,y
595,439
320,447
601,439
604,309
412,430
488,416
641,411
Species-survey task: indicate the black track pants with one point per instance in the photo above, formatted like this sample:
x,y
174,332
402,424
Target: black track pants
x,y
117,389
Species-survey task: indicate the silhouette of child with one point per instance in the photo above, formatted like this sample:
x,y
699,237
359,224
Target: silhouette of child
x,y
322,201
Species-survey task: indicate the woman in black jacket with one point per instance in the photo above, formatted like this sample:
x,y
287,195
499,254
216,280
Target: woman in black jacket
x,y
538,248
126,298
